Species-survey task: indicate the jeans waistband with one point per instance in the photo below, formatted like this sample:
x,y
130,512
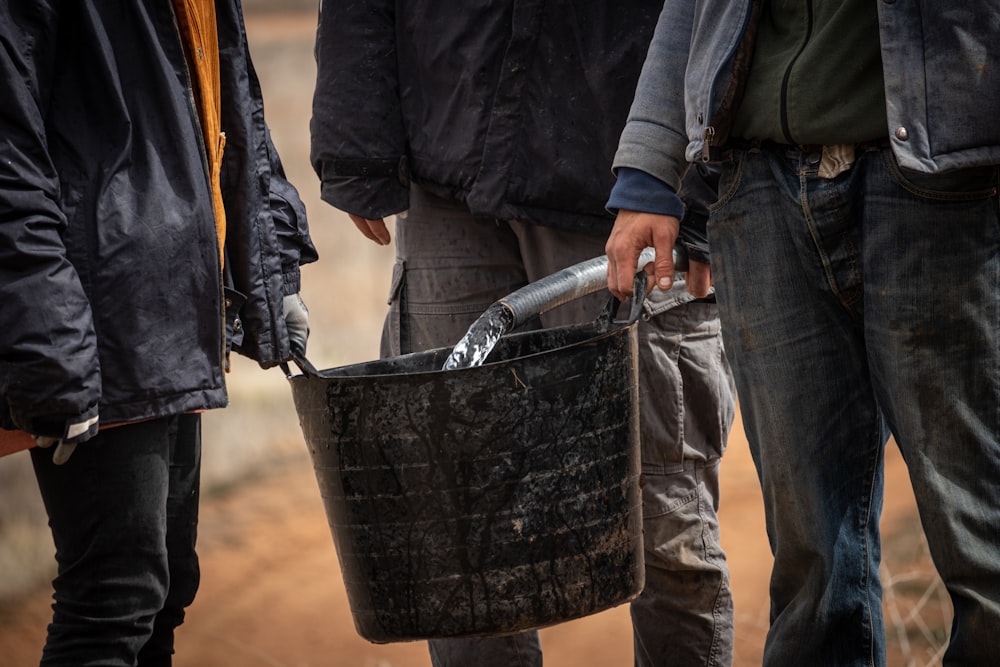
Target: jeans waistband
x,y
827,160
768,144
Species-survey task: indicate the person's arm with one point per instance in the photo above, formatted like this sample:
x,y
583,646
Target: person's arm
x,y
296,248
50,381
653,142
358,141
646,207
290,222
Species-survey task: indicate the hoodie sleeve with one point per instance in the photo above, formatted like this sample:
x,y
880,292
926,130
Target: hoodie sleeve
x,y
49,369
358,142
636,190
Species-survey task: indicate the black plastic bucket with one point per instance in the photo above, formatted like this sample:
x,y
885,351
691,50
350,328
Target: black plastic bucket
x,y
486,500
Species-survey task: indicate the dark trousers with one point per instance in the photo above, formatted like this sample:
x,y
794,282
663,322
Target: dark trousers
x,y
123,512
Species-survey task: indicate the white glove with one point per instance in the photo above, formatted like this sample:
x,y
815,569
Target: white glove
x,y
296,323
65,446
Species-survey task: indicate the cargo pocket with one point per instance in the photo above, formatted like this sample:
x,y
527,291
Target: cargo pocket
x,y
680,528
687,399
392,334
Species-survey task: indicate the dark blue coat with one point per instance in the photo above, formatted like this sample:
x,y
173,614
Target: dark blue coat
x,y
112,294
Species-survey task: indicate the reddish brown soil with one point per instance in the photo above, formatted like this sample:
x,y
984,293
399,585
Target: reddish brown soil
x,y
272,595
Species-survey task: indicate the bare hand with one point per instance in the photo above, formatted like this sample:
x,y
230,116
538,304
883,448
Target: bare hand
x,y
372,228
633,232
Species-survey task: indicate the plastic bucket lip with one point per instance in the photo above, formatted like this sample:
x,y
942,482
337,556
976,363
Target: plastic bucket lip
x,y
391,367
538,521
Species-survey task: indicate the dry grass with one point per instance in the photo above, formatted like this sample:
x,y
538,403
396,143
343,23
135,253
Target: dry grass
x,y
915,603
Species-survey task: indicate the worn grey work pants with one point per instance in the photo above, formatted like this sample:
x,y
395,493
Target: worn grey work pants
x,y
450,267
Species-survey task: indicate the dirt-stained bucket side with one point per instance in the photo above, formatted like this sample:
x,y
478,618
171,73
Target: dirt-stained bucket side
x,y
486,500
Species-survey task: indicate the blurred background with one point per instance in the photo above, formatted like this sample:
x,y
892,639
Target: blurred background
x,y
271,590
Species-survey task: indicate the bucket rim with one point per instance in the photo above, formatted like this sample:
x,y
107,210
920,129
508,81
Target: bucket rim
x,y
602,330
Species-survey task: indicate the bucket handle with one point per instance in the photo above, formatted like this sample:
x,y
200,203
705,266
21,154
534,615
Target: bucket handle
x,y
639,285
638,296
300,360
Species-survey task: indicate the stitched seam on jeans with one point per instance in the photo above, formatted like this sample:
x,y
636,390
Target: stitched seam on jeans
x,y
739,160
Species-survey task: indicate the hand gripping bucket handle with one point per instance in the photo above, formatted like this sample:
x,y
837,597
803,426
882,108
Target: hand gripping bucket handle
x,y
549,292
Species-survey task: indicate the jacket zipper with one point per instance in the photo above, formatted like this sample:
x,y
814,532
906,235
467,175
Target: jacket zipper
x,y
785,128
708,135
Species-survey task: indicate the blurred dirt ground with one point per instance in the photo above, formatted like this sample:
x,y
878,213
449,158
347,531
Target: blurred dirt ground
x,y
271,593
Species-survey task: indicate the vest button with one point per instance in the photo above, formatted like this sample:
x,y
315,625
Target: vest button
x,y
902,134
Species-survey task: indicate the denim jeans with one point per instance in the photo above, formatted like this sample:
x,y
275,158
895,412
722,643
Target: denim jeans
x,y
451,266
853,308
123,512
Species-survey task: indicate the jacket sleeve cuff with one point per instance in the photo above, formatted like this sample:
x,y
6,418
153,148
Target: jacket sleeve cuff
x,y
77,428
635,190
291,281
371,188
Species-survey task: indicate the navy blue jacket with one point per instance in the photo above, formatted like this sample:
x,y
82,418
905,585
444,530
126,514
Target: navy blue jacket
x,y
112,293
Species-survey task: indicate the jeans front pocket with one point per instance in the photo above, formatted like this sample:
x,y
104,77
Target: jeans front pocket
x,y
730,177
